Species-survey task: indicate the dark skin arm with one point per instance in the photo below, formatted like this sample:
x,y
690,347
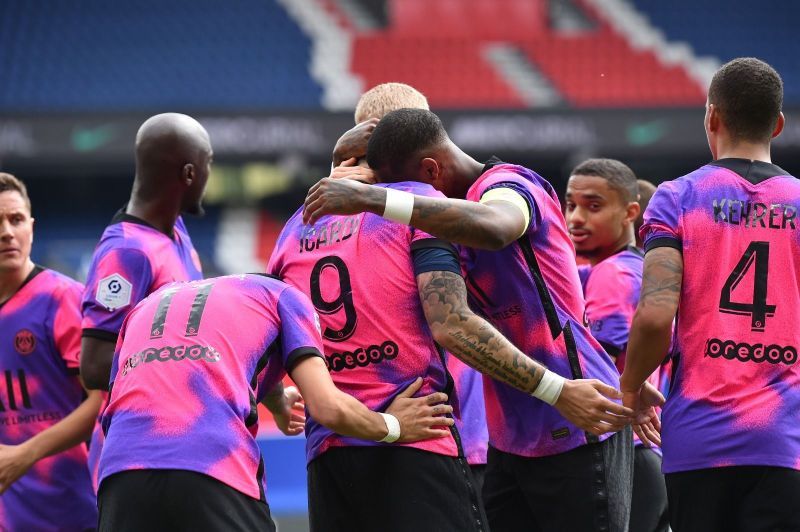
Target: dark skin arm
x,y
651,332
493,225
96,358
353,144
473,340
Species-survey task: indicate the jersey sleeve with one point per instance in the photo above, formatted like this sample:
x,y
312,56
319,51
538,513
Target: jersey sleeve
x,y
67,325
429,253
661,225
119,280
510,187
434,255
610,295
300,329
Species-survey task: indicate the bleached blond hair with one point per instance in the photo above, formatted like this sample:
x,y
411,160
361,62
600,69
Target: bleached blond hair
x,y
387,97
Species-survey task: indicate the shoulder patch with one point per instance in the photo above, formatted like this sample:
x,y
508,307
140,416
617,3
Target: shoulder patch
x,y
114,292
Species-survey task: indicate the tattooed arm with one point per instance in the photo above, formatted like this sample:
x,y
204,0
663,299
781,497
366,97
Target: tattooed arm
x,y
492,225
652,323
473,340
650,338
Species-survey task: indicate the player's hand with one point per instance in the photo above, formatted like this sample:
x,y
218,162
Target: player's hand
x,y
421,418
645,402
354,142
290,414
587,404
350,170
15,461
341,196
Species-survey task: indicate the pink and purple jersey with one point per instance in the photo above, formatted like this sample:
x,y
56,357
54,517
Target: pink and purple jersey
x,y
611,289
359,273
471,415
735,392
131,260
41,329
531,292
186,377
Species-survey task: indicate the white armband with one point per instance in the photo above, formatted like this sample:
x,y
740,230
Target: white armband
x,y
393,426
399,206
550,387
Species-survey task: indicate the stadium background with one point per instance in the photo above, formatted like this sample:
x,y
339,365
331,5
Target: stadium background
x,y
545,83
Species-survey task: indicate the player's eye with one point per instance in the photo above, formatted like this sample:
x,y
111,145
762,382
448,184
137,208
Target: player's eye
x,y
595,206
570,206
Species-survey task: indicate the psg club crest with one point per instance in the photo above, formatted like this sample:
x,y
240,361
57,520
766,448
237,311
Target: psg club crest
x,y
24,342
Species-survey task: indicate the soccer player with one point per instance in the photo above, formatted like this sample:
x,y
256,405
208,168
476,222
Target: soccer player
x,y
646,191
180,450
722,250
521,274
45,414
601,210
146,245
386,295
471,412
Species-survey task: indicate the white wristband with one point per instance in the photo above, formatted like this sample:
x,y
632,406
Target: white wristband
x,y
549,388
393,425
399,206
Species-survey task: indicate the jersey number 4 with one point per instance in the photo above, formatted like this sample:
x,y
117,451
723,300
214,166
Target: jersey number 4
x,y
343,302
755,257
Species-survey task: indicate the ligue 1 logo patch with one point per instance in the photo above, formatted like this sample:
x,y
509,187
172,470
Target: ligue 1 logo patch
x,y
24,342
114,292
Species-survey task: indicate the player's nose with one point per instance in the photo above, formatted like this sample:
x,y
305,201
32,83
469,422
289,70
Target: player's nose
x,y
575,218
6,232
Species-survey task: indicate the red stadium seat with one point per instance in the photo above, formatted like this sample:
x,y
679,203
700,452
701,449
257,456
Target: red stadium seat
x,y
447,59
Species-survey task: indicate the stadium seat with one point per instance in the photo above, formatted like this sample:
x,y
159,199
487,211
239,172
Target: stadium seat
x,y
146,54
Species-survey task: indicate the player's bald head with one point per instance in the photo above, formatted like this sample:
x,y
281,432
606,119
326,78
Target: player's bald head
x,y
170,140
173,160
387,97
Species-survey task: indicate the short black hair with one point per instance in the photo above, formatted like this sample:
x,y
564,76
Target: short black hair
x,y
618,174
400,137
749,95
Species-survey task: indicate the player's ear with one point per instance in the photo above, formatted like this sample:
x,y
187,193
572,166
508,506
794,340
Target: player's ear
x,y
429,170
779,125
632,212
712,118
188,174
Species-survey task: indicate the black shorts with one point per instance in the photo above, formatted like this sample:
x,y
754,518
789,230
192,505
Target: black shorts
x,y
392,489
585,489
649,503
734,499
478,475
175,500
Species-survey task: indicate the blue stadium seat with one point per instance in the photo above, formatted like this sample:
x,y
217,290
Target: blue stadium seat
x,y
151,55
735,28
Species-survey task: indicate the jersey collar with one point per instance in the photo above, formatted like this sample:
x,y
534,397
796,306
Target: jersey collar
x,y
122,216
491,163
753,171
34,272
